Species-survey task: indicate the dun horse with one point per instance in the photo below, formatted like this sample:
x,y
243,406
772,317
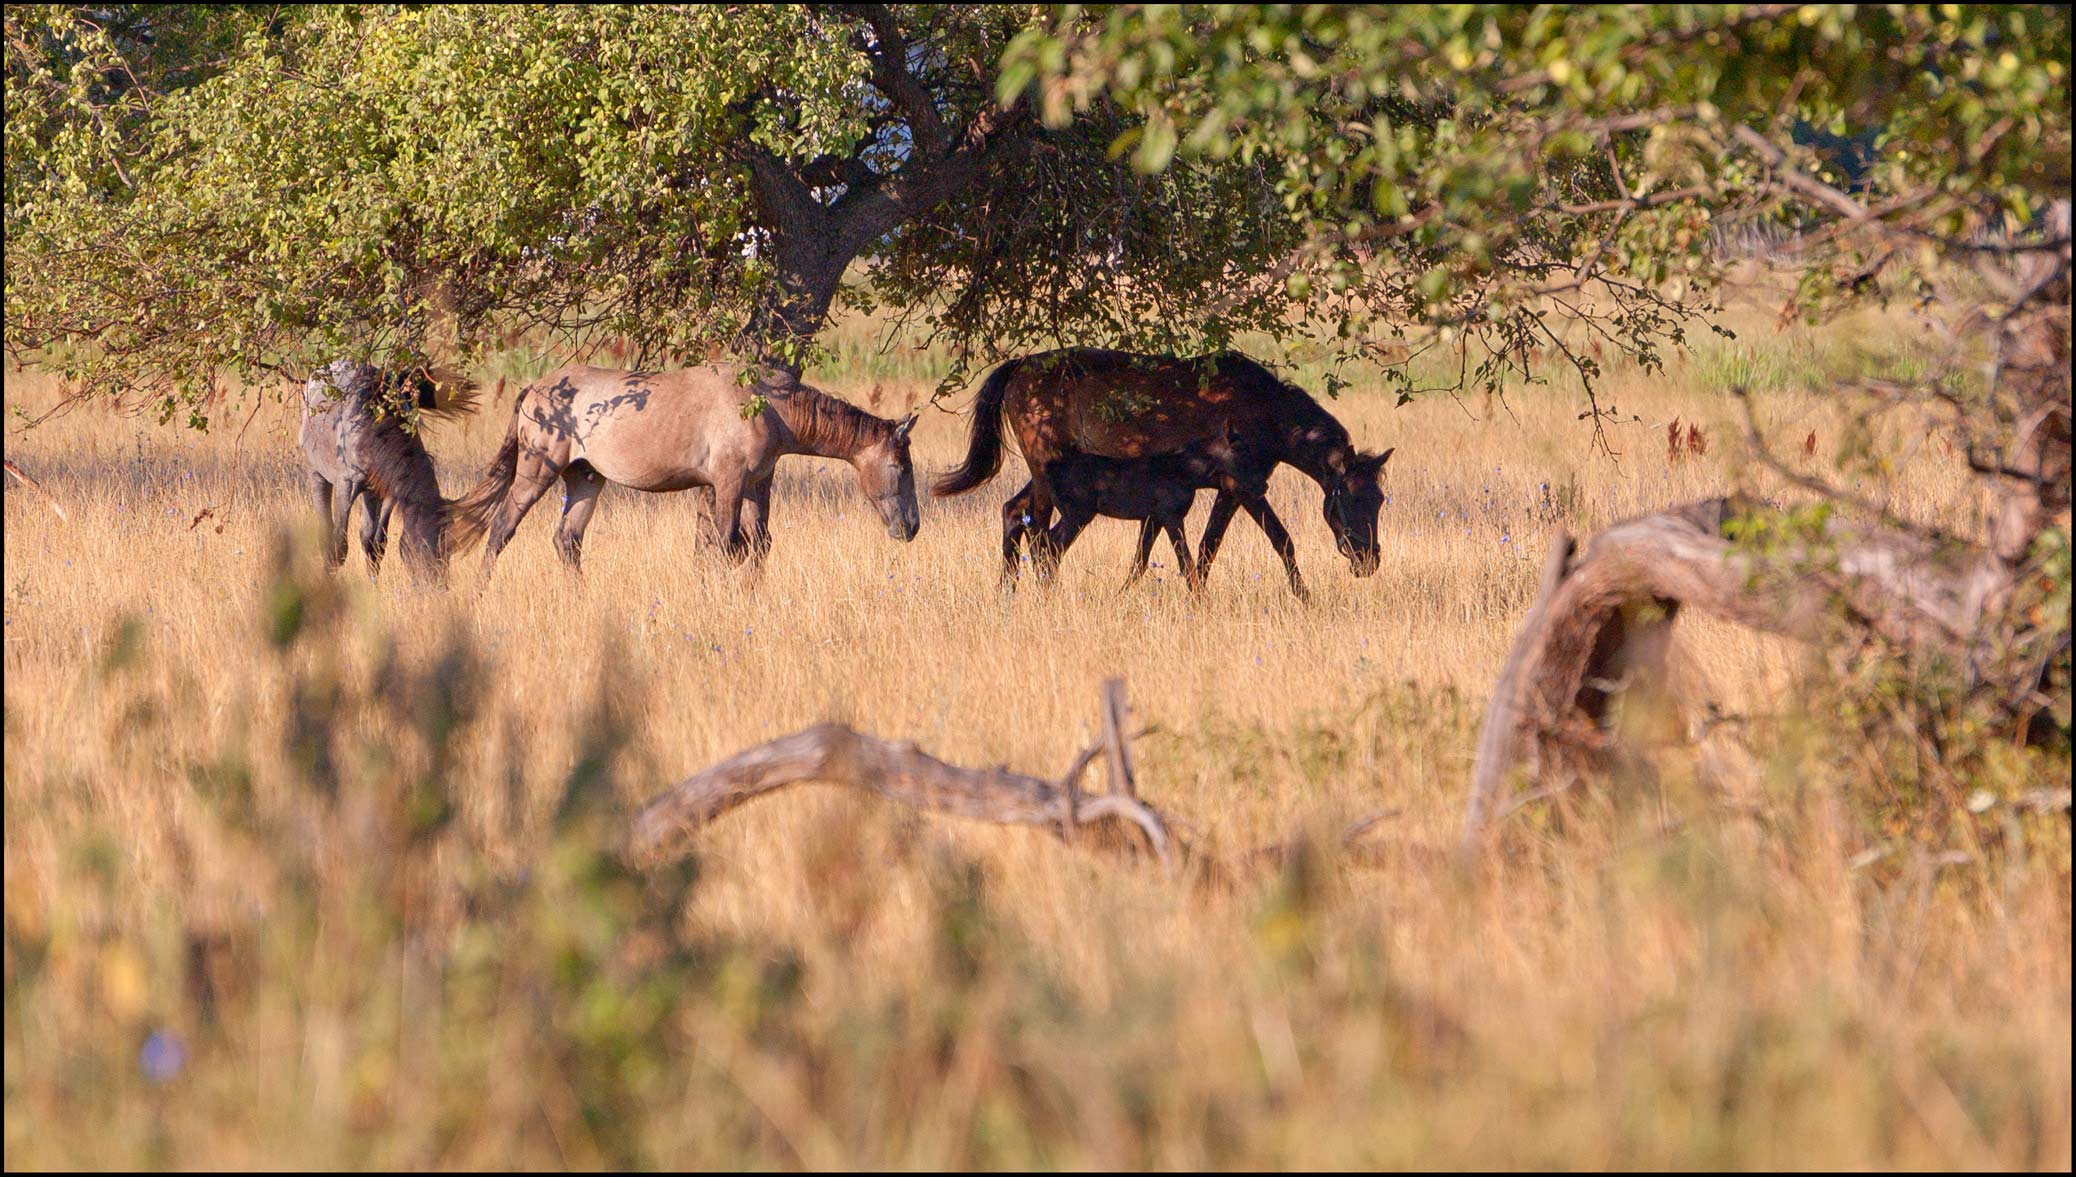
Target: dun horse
x,y
1120,405
666,431
351,451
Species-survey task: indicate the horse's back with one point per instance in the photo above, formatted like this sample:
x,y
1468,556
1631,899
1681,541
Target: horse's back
x,y
1124,405
659,431
333,400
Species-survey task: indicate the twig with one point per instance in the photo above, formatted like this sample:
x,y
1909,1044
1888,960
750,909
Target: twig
x,y
32,484
1818,486
1120,759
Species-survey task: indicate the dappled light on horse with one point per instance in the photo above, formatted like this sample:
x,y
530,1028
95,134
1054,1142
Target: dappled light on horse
x,y
691,429
1118,405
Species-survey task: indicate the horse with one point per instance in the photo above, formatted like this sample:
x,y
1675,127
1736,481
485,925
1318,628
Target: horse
x,y
1157,490
353,452
677,430
1121,405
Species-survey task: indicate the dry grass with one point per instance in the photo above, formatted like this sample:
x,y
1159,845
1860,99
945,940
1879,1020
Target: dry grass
x,y
1663,983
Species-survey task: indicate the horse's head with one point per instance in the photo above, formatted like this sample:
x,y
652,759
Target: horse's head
x,y
887,477
1354,496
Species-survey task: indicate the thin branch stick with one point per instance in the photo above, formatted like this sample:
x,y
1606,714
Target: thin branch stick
x,y
1120,759
1818,486
50,499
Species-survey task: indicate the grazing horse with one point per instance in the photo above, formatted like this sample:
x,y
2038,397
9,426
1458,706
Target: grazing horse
x,y
665,431
1158,491
1120,405
351,451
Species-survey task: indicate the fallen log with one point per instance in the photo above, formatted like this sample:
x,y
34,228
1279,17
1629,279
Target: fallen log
x,y
831,753
899,771
1602,621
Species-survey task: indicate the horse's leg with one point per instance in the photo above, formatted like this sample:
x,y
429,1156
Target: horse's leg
x,y
1265,516
321,495
580,490
1061,536
1016,524
728,494
1222,509
1148,531
1046,548
529,483
1181,542
374,527
756,518
708,532
342,518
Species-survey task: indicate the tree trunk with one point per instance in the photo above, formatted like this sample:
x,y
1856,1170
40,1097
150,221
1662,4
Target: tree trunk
x,y
814,241
1601,622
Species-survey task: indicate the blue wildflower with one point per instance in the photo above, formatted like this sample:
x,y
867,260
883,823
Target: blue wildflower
x,y
162,1056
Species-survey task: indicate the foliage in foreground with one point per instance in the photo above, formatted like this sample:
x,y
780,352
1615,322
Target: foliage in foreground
x,y
392,985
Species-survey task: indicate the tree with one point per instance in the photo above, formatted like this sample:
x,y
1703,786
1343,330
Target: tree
x,y
1476,176
200,192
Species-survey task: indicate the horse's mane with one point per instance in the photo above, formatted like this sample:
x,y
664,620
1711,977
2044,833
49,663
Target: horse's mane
x,y
400,459
828,423
386,436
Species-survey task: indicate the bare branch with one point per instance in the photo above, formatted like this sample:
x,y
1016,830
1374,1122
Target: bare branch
x,y
1120,758
888,50
1818,486
901,772
48,498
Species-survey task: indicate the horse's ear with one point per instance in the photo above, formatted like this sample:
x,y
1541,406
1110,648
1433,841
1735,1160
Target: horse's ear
x,y
1384,458
901,431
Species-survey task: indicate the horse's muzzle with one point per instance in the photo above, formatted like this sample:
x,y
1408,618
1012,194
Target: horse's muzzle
x,y
904,529
1365,563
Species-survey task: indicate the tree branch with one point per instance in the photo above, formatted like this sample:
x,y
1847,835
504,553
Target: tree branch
x,y
888,52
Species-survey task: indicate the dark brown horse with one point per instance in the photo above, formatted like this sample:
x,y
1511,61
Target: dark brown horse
x,y
1120,405
665,431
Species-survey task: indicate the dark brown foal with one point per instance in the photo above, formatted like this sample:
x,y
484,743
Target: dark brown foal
x,y
1158,491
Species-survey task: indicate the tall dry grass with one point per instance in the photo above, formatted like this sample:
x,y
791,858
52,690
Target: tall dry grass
x,y
256,915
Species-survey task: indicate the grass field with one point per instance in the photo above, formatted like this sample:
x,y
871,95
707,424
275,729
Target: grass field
x,y
234,936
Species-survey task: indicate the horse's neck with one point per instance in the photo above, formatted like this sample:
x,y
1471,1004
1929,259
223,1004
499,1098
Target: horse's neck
x,y
1313,444
821,426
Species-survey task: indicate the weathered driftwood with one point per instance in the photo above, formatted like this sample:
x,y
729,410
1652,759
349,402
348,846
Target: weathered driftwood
x,y
1602,620
899,771
831,753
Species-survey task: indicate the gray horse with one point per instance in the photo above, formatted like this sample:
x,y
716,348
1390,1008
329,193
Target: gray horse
x,y
352,451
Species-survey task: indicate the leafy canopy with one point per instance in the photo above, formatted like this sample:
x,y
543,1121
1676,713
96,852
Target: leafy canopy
x,y
195,192
386,182
1502,179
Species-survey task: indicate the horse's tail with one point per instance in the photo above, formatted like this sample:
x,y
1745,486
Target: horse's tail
x,y
984,448
468,517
